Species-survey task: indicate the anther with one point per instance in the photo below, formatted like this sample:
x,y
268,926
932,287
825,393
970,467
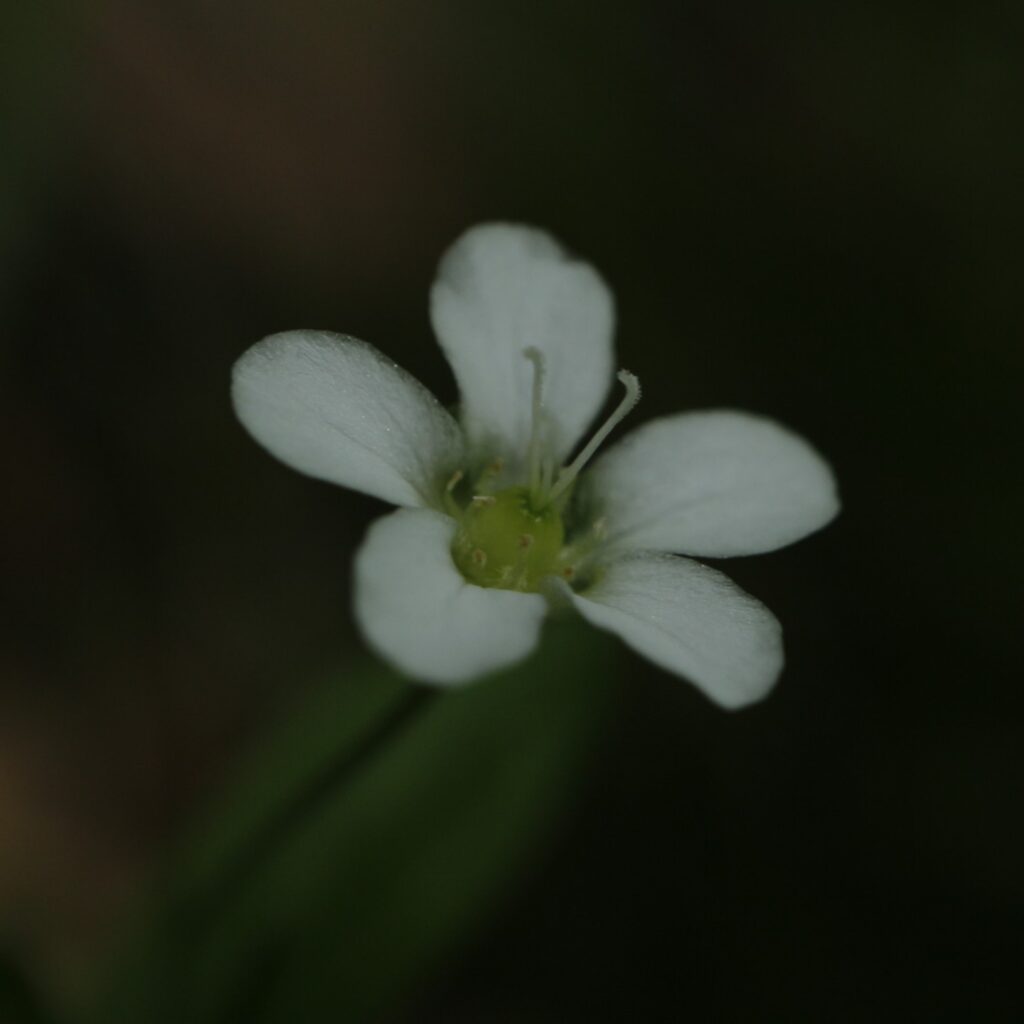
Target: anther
x,y
479,556
526,540
453,482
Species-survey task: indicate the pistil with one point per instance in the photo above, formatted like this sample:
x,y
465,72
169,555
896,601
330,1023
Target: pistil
x,y
568,474
533,460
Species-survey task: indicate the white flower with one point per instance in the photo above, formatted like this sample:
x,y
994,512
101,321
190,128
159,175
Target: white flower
x,y
492,532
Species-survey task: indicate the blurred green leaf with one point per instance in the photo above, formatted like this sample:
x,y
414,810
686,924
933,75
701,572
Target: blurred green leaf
x,y
339,913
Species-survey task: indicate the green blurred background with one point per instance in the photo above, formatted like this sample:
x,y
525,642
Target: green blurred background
x,y
808,210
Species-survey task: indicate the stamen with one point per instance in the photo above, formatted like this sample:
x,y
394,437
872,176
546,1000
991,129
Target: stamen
x,y
533,452
629,400
482,500
486,481
450,504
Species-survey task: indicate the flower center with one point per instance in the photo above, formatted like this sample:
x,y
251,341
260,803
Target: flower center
x,y
504,541
514,538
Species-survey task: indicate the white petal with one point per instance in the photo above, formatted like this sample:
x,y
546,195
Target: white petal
x,y
420,613
715,483
335,408
500,289
690,620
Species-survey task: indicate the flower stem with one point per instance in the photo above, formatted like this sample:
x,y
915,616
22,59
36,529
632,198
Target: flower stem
x,y
203,907
317,791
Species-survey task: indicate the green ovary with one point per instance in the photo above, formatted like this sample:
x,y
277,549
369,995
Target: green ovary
x,y
502,541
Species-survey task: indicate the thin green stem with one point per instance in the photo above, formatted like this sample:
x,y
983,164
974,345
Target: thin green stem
x,y
203,907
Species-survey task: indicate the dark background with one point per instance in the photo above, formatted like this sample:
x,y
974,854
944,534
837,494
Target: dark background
x,y
808,210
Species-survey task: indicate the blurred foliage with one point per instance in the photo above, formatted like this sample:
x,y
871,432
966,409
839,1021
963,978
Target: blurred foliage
x,y
37,42
342,908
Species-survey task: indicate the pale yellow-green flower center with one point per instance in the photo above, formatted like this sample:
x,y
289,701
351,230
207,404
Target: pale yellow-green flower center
x,y
504,541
